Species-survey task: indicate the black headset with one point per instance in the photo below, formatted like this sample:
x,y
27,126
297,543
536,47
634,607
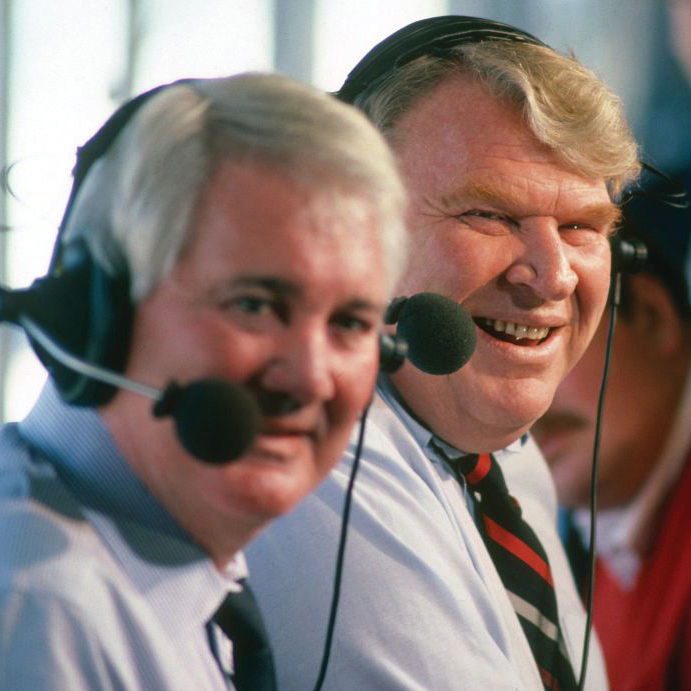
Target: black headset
x,y
89,312
84,309
436,36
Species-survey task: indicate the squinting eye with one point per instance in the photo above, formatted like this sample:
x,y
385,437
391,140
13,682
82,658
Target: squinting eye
x,y
583,227
353,324
486,217
487,222
479,213
252,305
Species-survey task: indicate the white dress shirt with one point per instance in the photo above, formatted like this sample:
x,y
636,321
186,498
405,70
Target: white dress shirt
x,y
422,607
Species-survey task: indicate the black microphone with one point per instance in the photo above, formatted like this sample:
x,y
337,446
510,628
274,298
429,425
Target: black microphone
x,y
440,334
215,420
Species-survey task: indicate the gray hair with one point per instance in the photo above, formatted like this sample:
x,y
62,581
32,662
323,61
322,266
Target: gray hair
x,y
566,106
135,209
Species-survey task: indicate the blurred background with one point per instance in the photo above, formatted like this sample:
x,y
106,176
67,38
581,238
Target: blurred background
x,y
66,65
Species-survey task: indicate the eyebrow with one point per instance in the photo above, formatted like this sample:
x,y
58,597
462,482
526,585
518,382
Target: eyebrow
x,y
285,288
279,286
606,213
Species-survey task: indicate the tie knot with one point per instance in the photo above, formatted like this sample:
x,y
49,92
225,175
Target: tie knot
x,y
480,472
475,468
239,618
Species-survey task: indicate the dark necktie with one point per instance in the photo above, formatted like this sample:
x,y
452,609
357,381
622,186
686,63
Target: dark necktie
x,y
240,619
521,562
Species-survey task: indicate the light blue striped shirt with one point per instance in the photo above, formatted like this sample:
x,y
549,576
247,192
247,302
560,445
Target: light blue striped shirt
x,y
99,586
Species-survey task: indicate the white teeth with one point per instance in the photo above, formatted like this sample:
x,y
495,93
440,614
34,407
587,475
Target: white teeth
x,y
518,330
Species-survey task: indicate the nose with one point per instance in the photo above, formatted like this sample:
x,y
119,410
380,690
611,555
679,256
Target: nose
x,y
544,265
303,365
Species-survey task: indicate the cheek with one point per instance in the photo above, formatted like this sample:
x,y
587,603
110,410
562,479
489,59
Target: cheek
x,y
450,261
203,347
593,270
355,384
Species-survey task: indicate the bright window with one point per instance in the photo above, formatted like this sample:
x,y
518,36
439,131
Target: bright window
x,y
71,63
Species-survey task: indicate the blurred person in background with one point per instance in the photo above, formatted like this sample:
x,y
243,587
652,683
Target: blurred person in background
x,y
642,598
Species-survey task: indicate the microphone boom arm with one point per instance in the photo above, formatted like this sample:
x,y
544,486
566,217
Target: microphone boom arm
x,y
82,366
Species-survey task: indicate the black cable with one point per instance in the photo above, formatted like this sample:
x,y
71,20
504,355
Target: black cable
x,y
613,303
341,554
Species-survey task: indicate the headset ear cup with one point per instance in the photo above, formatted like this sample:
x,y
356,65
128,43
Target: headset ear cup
x,y
88,313
109,335
628,255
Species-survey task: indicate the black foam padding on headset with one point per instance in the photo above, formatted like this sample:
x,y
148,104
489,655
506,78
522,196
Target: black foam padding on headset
x,y
89,314
431,36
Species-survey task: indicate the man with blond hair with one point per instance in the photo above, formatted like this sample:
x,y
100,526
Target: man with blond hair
x,y
454,577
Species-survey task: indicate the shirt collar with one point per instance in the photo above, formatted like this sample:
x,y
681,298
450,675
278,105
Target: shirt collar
x,y
165,565
422,435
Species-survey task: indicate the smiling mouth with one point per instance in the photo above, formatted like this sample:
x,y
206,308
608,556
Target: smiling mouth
x,y
512,332
281,445
286,434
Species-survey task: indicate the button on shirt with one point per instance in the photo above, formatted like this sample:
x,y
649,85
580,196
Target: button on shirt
x,y
422,605
99,587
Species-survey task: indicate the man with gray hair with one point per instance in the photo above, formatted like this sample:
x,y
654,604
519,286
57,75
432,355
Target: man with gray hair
x,y
226,232
454,577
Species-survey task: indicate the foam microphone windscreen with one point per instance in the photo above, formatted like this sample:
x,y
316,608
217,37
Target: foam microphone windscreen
x,y
215,420
440,333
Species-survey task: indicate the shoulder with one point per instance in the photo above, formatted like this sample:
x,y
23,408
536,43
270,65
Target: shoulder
x,y
52,580
49,549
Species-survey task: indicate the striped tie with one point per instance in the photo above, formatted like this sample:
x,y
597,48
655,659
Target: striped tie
x,y
521,563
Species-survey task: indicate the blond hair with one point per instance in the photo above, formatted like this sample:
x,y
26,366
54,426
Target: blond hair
x,y
565,105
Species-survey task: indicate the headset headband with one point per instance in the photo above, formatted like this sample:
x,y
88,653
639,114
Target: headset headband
x,y
98,145
436,36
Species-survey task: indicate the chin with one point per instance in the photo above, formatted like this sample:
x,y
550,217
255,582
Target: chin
x,y
515,421
515,402
268,493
